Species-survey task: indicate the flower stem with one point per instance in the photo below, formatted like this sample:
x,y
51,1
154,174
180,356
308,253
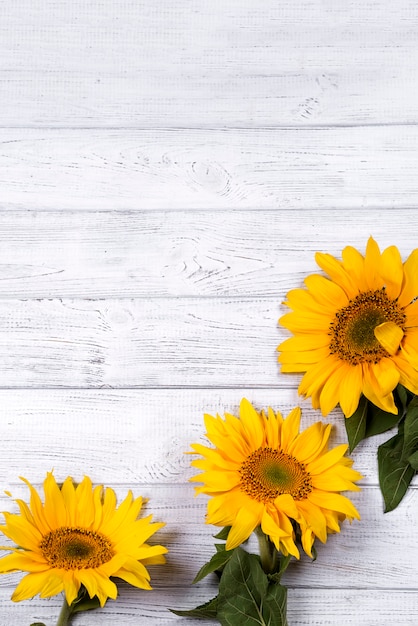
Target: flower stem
x,y
269,556
65,614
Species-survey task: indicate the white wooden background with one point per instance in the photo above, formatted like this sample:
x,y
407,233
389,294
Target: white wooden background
x,y
168,170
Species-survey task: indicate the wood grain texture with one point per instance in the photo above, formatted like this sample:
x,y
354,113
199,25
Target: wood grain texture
x,y
243,63
319,607
136,436
276,168
167,172
146,254
139,343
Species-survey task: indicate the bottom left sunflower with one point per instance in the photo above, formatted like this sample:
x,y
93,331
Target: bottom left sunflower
x,y
77,540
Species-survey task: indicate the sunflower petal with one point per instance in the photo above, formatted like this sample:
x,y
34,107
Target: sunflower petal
x,y
389,335
244,524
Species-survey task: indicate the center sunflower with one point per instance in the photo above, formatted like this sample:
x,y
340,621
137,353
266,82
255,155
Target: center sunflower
x,y
71,548
352,329
268,473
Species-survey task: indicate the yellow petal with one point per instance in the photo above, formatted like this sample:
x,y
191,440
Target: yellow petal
x,y
380,380
351,389
302,322
286,504
408,374
290,428
310,442
222,509
334,502
328,294
327,460
305,357
410,287
25,561
372,265
252,423
304,341
270,527
244,524
99,585
331,391
54,507
337,273
389,335
353,262
391,271
313,518
317,375
30,585
301,300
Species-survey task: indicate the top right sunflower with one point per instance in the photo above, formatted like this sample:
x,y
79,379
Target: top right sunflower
x,y
355,333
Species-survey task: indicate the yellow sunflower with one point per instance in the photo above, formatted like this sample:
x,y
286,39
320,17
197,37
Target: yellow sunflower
x,y
356,332
264,473
78,537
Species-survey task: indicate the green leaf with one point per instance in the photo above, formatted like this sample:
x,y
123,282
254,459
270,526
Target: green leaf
x,y
204,611
379,421
410,430
275,605
369,420
413,460
37,624
355,425
395,474
246,595
86,604
402,398
216,564
223,534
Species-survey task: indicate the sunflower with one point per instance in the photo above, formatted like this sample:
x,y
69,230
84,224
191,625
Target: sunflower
x,y
78,537
264,473
356,332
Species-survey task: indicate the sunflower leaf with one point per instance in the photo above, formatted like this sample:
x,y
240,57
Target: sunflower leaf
x,y
413,460
246,595
369,420
86,604
355,425
207,610
223,534
379,421
275,605
402,397
216,563
395,474
410,430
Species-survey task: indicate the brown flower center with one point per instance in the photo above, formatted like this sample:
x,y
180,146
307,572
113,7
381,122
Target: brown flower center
x,y
268,473
71,548
352,329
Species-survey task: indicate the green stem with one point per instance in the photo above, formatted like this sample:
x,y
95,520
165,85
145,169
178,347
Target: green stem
x,y
269,556
64,616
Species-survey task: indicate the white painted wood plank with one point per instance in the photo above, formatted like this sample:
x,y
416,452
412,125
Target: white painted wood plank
x,y
107,63
306,607
192,253
140,343
138,435
339,168
183,342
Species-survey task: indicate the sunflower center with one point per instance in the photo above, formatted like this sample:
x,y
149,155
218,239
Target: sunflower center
x,y
71,548
268,473
352,329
